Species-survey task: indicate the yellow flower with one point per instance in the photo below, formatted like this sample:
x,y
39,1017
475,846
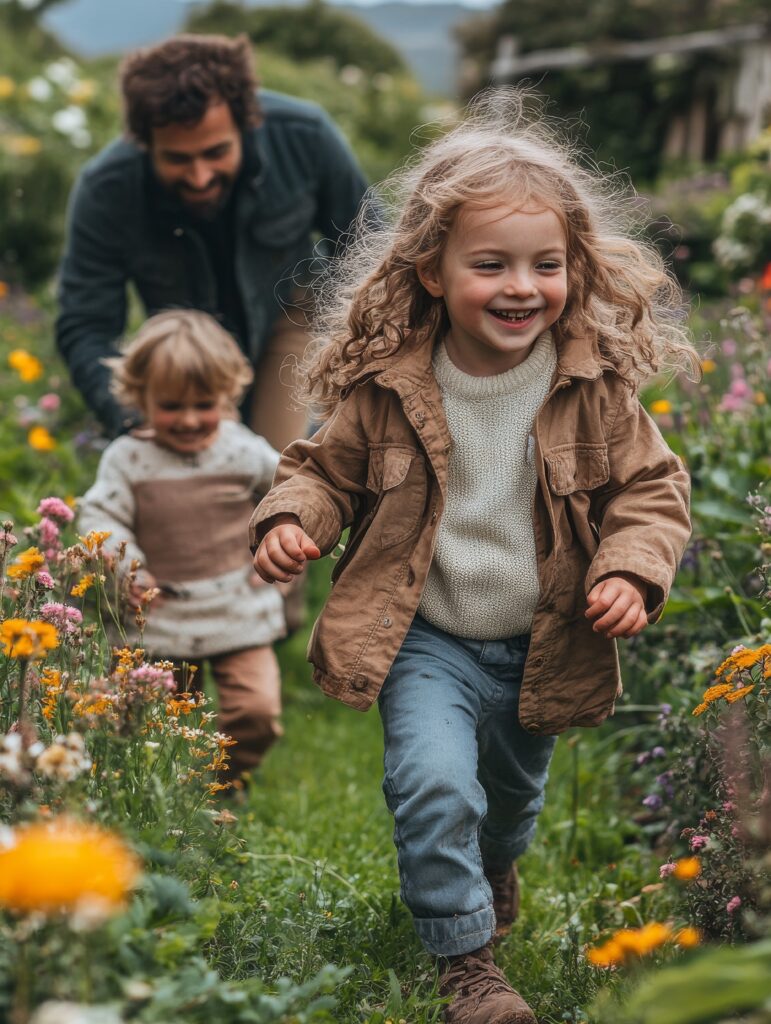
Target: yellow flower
x,y
51,681
660,407
716,692
7,87
687,868
629,942
759,398
41,440
94,540
688,937
708,365
21,145
26,564
22,638
607,955
744,658
63,865
82,91
28,367
735,695
83,585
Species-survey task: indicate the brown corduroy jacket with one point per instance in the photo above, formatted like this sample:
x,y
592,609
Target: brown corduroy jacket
x,y
611,498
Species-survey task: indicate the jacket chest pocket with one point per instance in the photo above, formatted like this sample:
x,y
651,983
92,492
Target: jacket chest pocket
x,y
576,467
397,474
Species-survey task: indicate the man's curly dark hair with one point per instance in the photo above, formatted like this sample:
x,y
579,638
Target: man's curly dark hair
x,y
176,81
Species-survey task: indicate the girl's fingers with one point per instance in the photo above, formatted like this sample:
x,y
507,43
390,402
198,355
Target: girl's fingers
x,y
625,623
612,615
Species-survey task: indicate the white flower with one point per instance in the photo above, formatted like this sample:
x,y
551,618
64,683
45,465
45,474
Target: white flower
x,y
351,75
73,1013
29,5
69,120
63,72
65,759
12,758
39,89
81,138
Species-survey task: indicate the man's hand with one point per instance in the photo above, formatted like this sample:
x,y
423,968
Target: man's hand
x,y
284,550
617,605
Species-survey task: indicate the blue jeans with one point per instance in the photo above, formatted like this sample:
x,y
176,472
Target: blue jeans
x,y
463,780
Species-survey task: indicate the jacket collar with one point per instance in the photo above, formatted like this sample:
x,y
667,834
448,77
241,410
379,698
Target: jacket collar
x,y
410,367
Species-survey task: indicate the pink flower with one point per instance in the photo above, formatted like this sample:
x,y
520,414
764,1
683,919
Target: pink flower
x,y
666,870
729,347
7,540
63,616
731,403
49,532
56,509
49,402
733,904
729,805
737,371
740,388
699,842
45,579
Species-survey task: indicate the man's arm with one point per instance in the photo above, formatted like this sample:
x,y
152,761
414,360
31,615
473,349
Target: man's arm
x,y
92,295
341,183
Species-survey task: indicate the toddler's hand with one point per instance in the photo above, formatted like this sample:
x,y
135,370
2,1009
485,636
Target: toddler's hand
x,y
283,552
617,604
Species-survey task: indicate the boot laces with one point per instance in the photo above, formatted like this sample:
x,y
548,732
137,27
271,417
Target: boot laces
x,y
475,975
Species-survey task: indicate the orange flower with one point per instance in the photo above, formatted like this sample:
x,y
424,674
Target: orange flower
x,y
63,864
661,406
688,937
26,564
94,540
28,367
24,639
687,868
708,365
41,440
83,585
731,698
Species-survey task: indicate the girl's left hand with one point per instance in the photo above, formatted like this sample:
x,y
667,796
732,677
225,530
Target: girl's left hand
x,y
617,604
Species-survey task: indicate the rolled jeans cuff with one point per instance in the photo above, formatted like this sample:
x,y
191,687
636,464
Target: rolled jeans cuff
x,y
451,936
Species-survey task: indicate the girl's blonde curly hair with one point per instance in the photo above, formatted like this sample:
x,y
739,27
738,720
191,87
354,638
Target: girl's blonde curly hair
x,y
619,290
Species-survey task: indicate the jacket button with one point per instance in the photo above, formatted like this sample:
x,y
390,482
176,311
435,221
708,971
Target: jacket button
x,y
179,232
359,682
433,516
538,661
387,622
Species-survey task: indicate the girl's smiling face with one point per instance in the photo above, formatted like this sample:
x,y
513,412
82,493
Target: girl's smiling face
x,y
503,278
185,423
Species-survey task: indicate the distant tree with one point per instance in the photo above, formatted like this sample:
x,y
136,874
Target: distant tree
x,y
626,106
309,32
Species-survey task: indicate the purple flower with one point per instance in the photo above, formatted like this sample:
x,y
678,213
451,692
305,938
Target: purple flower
x,y
699,842
733,904
643,758
665,781
658,752
56,509
653,802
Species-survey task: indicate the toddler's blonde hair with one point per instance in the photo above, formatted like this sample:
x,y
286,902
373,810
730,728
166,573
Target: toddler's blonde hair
x,y
180,351
619,291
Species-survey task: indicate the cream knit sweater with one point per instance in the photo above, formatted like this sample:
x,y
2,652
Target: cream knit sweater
x,y
483,581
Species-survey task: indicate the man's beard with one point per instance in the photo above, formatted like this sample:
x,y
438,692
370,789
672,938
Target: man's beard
x,y
204,210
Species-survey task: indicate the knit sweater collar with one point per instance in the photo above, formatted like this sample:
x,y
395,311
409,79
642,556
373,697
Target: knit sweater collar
x,y
538,367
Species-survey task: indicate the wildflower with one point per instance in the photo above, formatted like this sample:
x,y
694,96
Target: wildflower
x,y
55,508
26,564
687,868
45,580
217,787
53,684
41,439
731,698
49,402
629,942
743,658
94,540
12,759
63,616
7,87
84,584
62,864
699,842
667,869
22,638
65,759
708,365
28,367
7,539
653,802
658,752
688,937
661,407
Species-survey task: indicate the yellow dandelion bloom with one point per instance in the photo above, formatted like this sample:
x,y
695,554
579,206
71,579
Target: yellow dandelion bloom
x,y
708,365
26,564
62,864
660,407
22,638
688,937
28,367
94,540
687,868
7,87
41,439
735,695
83,585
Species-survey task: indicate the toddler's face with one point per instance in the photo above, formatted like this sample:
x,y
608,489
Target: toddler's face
x,y
503,278
185,423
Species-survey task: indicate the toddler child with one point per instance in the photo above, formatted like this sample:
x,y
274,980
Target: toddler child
x,y
179,493
512,508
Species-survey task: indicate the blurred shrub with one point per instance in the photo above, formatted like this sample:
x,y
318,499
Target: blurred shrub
x,y
305,33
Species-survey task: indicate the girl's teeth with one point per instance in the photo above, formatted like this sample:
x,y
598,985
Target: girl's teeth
x,y
514,316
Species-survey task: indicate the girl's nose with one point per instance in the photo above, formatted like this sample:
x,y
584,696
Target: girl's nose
x,y
519,284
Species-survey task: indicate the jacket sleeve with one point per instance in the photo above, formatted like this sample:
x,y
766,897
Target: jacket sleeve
x,y
320,480
92,295
642,511
341,184
109,505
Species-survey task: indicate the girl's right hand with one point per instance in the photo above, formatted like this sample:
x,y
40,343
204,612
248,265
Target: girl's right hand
x,y
284,550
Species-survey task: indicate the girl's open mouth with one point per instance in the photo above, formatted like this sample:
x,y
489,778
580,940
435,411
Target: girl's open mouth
x,y
518,317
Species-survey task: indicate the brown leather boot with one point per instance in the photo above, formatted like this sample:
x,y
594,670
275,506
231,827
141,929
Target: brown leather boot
x,y
481,993
505,886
